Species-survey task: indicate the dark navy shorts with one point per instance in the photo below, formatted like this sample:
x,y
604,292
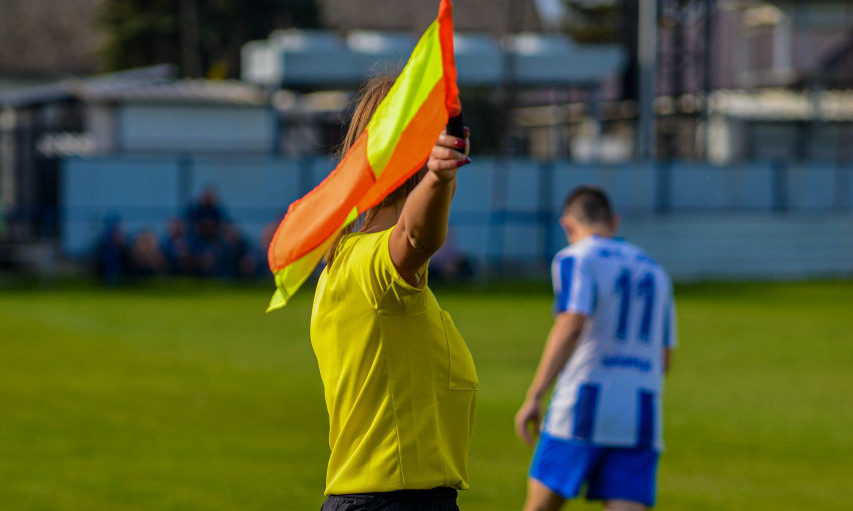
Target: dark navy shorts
x,y
437,499
565,466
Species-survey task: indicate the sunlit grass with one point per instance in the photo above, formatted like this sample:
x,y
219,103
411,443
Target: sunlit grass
x,y
191,398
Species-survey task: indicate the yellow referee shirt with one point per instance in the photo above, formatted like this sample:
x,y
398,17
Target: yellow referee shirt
x,y
399,381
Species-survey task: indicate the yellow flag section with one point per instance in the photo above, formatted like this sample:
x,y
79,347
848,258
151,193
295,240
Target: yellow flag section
x,y
395,144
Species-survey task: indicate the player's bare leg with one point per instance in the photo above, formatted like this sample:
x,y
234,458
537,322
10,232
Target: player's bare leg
x,y
541,498
623,505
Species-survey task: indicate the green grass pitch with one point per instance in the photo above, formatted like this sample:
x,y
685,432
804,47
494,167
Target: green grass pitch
x,y
190,398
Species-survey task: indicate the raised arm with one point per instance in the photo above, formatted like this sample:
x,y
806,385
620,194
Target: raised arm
x,y
422,226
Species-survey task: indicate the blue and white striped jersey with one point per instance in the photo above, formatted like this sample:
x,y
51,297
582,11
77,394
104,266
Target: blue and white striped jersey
x,y
610,391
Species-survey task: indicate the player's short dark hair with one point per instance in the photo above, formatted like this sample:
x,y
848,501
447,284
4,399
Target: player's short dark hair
x,y
588,205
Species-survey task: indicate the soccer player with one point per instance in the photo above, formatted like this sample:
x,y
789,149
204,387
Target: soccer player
x,y
608,350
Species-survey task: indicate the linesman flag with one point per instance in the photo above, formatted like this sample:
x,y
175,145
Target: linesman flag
x,y
395,144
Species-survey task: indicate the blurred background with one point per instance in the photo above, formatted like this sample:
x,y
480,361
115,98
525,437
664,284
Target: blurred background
x,y
149,148
169,137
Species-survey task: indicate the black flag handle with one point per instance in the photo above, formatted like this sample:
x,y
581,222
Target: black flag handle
x,y
456,126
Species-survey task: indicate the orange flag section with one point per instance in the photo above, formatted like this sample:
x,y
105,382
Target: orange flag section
x,y
305,226
407,153
395,144
445,35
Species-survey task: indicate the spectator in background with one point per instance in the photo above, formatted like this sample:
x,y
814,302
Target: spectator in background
x,y
254,264
207,216
232,250
206,219
204,244
146,258
111,251
176,248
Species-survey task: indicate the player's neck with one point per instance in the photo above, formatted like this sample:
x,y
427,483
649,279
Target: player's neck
x,y
601,231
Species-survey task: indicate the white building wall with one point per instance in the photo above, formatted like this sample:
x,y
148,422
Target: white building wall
x,y
189,128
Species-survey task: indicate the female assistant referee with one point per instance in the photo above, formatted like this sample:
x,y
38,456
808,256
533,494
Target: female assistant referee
x,y
399,381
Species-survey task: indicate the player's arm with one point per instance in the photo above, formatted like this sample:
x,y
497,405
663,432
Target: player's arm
x,y
667,359
561,343
422,226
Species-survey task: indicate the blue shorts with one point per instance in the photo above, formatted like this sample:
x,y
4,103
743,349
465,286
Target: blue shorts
x,y
609,472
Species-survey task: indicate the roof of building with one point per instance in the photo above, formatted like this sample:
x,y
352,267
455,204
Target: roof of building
x,y
188,91
74,87
156,84
322,59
